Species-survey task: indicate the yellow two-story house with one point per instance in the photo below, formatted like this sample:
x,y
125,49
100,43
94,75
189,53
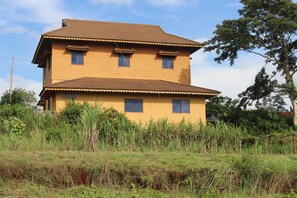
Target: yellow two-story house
x,y
137,69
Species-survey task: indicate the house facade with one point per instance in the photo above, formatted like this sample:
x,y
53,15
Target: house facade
x,y
134,68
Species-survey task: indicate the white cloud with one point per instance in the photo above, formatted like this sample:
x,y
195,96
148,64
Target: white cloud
x,y
47,12
172,2
115,2
20,82
230,80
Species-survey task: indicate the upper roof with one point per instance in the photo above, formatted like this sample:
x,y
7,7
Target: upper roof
x,y
128,86
87,30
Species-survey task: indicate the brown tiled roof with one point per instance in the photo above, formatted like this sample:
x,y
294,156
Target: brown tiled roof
x,y
128,86
99,31
111,31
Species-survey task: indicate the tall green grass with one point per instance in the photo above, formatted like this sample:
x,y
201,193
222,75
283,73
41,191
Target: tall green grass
x,y
88,127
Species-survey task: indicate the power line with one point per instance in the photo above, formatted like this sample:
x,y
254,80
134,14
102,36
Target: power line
x,y
1,58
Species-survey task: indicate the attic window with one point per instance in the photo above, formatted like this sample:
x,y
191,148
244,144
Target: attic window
x,y
124,51
168,53
78,48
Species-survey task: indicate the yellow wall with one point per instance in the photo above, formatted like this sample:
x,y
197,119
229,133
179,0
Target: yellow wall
x,y
154,106
100,61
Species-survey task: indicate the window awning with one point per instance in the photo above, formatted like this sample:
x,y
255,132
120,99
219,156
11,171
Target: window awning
x,y
168,53
124,51
78,48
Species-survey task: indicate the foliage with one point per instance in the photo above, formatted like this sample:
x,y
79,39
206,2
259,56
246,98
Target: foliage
x,y
222,107
258,121
99,128
174,174
72,112
262,94
263,121
89,120
267,28
14,126
116,129
54,133
26,115
19,96
19,111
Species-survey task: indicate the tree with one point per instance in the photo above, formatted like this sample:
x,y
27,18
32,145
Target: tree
x,y
262,94
266,28
255,121
19,96
222,107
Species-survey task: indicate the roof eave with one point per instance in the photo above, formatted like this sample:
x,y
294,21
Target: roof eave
x,y
130,91
197,46
37,50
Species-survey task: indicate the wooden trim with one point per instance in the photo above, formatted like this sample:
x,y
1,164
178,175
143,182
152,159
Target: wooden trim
x,y
168,53
51,103
122,41
130,91
46,105
78,48
124,51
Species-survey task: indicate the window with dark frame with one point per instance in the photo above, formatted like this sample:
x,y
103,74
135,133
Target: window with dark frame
x,y
181,106
69,97
133,105
77,57
167,62
124,60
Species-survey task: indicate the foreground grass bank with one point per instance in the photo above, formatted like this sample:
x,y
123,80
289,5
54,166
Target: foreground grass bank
x,y
146,174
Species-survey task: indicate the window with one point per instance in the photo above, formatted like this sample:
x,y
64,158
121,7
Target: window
x,y
133,105
124,60
69,97
77,58
181,106
167,62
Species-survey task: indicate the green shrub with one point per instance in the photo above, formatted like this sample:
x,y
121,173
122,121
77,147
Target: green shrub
x,y
18,111
72,112
263,121
115,128
14,126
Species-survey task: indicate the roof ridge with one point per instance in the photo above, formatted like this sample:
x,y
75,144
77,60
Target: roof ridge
x,y
111,22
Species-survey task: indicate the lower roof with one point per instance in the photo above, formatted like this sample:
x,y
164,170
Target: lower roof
x,y
90,84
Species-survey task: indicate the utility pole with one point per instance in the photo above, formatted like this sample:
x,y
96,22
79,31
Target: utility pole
x,y
11,76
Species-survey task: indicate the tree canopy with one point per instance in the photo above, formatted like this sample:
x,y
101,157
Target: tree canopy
x,y
266,28
19,96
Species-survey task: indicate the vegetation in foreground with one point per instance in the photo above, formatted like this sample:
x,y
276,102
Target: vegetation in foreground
x,y
147,173
49,154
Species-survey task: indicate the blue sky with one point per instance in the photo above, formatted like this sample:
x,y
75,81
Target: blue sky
x,y
23,21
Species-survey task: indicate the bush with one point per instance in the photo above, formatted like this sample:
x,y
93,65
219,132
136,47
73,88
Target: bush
x,y
263,121
14,126
72,112
115,128
18,111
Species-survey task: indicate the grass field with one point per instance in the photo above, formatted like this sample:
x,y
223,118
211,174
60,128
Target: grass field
x,y
145,174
